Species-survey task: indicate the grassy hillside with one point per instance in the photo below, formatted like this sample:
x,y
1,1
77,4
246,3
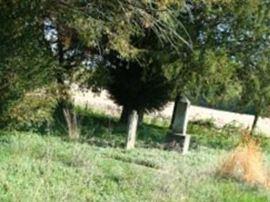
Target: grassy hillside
x,y
35,167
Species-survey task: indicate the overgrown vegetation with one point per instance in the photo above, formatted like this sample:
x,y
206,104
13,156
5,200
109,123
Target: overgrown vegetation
x,y
49,167
52,168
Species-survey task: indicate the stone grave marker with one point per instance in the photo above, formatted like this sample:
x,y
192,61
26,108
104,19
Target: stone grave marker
x,y
178,138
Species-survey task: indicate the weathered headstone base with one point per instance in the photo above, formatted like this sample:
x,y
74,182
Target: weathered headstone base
x,y
178,142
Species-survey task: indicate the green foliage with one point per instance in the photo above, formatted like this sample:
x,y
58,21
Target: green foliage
x,y
144,88
95,28
228,65
214,80
206,134
105,131
207,74
141,34
256,87
33,111
138,48
249,45
25,62
120,21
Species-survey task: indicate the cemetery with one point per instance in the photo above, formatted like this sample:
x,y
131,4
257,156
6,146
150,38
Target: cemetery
x,y
149,56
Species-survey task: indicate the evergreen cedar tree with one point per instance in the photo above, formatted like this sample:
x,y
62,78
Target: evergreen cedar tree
x,y
232,35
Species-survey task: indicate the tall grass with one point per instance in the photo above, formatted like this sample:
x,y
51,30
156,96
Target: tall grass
x,y
246,162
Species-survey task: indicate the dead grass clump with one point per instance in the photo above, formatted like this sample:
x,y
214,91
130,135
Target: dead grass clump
x,y
246,162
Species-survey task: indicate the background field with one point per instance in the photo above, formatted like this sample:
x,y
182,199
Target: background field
x,y
102,102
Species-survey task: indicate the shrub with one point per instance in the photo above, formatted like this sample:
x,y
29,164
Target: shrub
x,y
33,110
246,162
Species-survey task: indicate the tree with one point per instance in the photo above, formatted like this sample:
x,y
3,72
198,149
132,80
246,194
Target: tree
x,y
249,43
257,89
25,62
132,33
139,86
239,31
90,29
138,57
124,30
206,74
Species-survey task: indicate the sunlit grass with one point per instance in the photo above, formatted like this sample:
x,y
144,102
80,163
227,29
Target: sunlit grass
x,y
97,168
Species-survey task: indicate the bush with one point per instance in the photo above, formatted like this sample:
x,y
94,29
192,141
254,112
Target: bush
x,y
246,162
33,111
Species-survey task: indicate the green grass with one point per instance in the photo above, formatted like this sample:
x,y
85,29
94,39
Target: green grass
x,y
102,130
49,168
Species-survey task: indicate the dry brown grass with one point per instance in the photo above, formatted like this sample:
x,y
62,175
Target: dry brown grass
x,y
246,162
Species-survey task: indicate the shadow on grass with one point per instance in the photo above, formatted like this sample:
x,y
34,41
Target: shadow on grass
x,y
102,130
105,131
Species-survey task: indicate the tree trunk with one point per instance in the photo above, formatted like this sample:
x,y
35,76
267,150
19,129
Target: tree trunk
x,y
72,124
141,115
126,111
132,129
66,111
66,117
254,124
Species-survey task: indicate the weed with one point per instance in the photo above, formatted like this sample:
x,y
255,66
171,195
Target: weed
x,y
246,162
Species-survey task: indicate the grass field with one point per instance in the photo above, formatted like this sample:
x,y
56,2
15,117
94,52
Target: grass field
x,y
48,167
